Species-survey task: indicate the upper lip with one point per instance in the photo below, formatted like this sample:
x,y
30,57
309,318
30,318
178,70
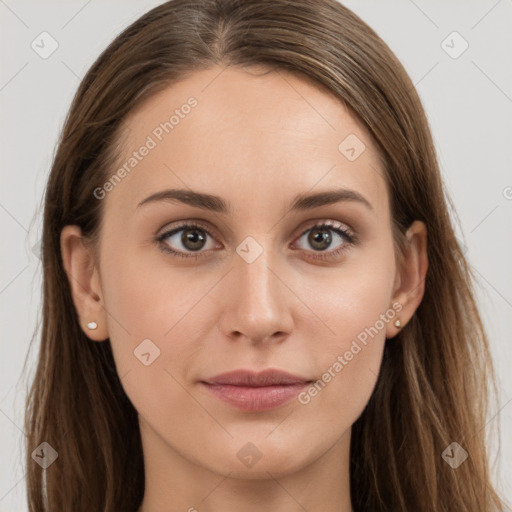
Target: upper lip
x,y
249,378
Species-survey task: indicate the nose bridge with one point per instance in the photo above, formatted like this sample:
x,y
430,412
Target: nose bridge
x,y
256,303
254,273
257,277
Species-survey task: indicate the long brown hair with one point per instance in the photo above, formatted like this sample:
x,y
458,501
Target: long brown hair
x,y
433,386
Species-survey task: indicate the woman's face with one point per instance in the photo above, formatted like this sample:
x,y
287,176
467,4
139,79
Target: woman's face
x,y
257,283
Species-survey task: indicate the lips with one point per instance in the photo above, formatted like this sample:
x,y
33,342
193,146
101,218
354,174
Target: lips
x,y
255,392
252,379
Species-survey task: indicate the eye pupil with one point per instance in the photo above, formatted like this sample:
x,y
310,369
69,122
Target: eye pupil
x,y
193,239
320,236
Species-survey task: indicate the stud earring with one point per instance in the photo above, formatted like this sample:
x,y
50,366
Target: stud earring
x,y
92,325
398,323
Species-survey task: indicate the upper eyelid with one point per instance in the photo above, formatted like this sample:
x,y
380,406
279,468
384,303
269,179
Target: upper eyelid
x,y
334,224
168,230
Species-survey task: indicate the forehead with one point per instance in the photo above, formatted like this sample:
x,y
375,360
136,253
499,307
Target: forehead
x,y
263,133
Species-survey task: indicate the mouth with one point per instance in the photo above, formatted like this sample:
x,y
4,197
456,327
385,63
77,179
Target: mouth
x,y
254,392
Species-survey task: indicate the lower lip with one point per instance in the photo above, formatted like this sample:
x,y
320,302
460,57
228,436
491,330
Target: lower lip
x,y
255,398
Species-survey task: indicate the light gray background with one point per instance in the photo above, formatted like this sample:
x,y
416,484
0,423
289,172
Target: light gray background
x,y
468,102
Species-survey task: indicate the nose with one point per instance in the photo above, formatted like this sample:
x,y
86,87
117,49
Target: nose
x,y
256,303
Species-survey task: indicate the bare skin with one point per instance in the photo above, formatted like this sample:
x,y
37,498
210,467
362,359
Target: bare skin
x,y
257,141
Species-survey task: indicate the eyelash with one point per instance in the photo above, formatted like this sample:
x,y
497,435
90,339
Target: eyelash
x,y
349,238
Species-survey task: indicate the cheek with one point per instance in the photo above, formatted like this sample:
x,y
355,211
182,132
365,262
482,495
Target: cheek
x,y
150,321
141,291
353,298
356,306
155,310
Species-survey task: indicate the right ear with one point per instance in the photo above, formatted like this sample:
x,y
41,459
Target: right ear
x,y
84,281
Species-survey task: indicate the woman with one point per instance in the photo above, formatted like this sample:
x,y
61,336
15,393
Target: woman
x,y
253,295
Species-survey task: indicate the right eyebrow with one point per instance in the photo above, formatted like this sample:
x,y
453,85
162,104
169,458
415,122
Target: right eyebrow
x,y
190,197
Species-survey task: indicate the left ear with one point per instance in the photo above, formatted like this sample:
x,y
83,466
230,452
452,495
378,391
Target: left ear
x,y
410,279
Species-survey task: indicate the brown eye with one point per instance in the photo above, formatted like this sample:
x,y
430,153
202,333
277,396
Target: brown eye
x,y
185,239
193,239
321,237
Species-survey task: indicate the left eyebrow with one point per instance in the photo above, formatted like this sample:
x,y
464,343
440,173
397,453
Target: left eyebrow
x,y
219,205
307,201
